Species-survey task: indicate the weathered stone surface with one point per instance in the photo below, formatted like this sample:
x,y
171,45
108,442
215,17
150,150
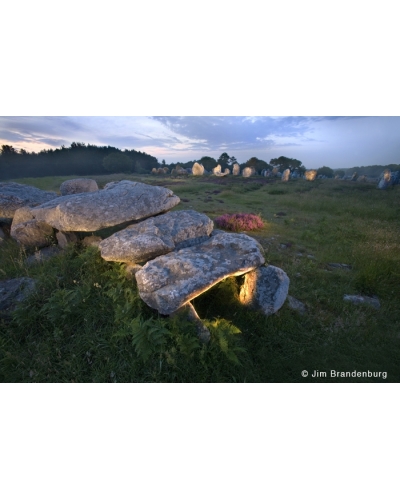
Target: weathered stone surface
x,y
310,175
14,196
156,236
118,202
13,292
170,281
236,169
66,238
275,171
361,299
247,172
354,177
197,169
286,175
75,186
265,289
28,231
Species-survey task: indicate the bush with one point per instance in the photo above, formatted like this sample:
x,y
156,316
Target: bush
x,y
240,222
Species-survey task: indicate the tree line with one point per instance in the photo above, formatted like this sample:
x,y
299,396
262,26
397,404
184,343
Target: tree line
x,y
78,159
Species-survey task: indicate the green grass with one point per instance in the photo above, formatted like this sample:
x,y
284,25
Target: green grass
x,y
86,322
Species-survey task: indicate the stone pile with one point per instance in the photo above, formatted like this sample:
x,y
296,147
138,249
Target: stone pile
x,y
174,256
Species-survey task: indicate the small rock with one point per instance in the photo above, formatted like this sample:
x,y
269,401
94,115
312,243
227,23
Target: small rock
x,y
12,292
65,238
311,257
42,255
296,305
339,266
362,299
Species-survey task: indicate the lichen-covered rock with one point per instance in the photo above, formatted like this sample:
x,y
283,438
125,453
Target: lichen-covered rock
x,y
170,281
265,289
28,231
197,169
14,196
285,175
156,236
117,203
310,175
75,186
235,169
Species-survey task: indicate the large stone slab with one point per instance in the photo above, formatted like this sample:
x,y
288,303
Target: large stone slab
x,y
118,202
14,196
265,289
170,281
156,236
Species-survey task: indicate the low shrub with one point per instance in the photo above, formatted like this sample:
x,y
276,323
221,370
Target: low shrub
x,y
239,222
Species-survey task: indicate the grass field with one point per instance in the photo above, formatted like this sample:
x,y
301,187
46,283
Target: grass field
x,y
86,323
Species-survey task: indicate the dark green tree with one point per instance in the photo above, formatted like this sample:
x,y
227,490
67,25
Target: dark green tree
x,y
283,163
208,162
224,160
117,163
328,172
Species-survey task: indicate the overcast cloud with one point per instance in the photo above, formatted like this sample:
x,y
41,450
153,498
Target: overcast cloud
x,y
337,142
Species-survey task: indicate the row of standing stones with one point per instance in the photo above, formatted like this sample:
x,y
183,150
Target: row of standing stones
x,y
174,256
386,179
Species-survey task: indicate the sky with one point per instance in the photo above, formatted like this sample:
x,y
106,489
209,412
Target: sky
x,y
333,141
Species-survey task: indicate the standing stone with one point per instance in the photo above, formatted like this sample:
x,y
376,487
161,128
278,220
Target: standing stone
x,y
117,203
217,170
275,171
170,281
286,175
14,196
265,289
157,236
310,175
197,169
75,186
28,231
236,169
227,171
354,177
247,172
385,179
